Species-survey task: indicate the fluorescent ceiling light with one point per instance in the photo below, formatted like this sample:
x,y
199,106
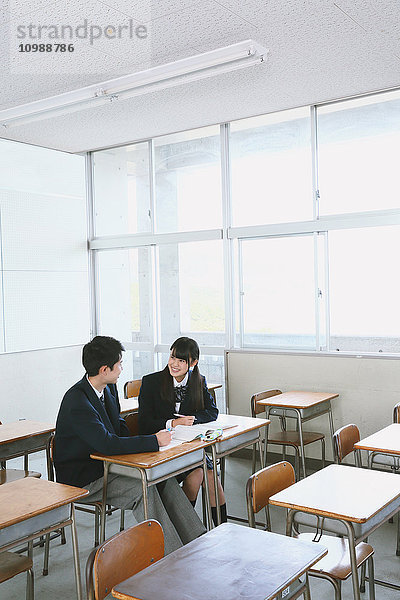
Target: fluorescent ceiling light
x,y
222,60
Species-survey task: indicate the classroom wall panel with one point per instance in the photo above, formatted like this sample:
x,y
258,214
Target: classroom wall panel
x,y
45,309
368,387
33,383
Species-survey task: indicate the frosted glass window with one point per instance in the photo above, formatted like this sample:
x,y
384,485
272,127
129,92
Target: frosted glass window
x,y
125,294
188,181
192,292
271,168
121,187
278,292
358,149
365,289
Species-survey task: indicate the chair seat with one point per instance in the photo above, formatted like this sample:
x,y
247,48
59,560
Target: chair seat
x,y
292,438
12,564
337,562
8,475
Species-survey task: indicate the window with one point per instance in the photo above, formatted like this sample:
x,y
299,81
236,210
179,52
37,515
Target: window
x,y
188,181
250,254
192,292
271,168
278,292
359,143
121,182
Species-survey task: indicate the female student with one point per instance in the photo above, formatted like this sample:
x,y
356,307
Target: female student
x,y
178,395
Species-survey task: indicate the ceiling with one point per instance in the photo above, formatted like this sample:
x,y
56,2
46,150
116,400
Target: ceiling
x,y
319,50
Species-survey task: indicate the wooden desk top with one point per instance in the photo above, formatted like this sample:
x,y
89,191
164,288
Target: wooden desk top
x,y
148,460
240,425
29,497
228,563
341,492
18,430
132,404
386,440
298,399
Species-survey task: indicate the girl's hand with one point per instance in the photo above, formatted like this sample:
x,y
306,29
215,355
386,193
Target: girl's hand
x,y
163,437
184,420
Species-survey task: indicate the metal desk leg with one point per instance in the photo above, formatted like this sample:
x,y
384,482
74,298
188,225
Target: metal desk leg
x,y
215,473
76,555
331,426
103,503
303,458
206,487
307,593
353,560
266,436
144,492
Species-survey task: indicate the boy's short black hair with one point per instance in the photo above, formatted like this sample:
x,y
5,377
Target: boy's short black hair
x,y
101,351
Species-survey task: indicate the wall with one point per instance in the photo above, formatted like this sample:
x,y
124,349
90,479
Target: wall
x,y
33,383
368,387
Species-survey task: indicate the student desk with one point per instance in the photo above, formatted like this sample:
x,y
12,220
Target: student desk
x,y
303,406
154,467
240,432
131,405
354,502
228,563
385,441
21,438
31,507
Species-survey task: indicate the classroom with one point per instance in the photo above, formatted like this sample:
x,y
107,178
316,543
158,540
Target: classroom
x,y
221,170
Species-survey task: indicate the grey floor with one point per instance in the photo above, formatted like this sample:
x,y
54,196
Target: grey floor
x,y
60,582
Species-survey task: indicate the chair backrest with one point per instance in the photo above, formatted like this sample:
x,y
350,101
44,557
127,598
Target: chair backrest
x,y
264,484
132,388
396,413
344,440
122,556
255,408
132,421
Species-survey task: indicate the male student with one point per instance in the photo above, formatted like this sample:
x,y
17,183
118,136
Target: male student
x,y
89,421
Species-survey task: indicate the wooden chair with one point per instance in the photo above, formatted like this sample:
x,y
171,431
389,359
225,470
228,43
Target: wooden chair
x,y
335,566
132,388
343,443
122,556
285,437
12,564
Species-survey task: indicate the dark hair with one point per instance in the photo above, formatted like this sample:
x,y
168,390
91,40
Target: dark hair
x,y
99,352
186,349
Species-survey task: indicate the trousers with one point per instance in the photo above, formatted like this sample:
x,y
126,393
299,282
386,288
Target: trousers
x,y
166,501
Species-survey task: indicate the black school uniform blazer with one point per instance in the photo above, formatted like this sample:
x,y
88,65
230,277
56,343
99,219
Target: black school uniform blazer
x,y
85,426
154,413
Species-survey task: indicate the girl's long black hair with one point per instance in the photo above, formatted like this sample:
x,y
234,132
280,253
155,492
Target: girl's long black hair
x,y
186,349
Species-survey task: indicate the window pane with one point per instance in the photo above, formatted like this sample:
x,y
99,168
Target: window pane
x,y
271,168
188,180
365,289
135,365
125,297
121,182
358,143
192,292
278,292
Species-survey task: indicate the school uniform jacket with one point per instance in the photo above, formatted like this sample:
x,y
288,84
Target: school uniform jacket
x,y
85,426
154,413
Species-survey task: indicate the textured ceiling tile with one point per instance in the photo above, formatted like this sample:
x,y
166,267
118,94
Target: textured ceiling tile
x,y
379,19
152,9
203,25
